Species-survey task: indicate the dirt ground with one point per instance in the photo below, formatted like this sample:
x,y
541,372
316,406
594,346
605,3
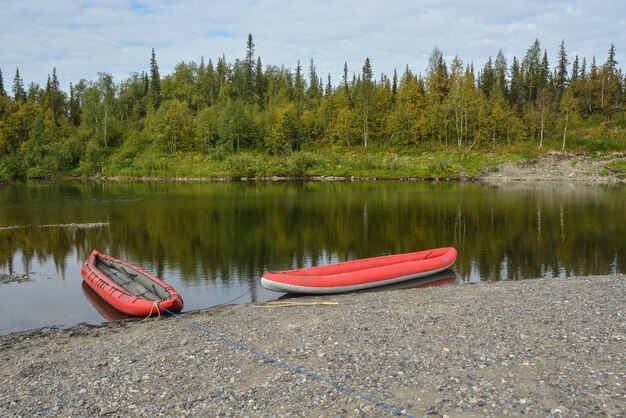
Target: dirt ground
x,y
559,166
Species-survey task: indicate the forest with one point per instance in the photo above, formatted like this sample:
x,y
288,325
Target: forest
x,y
241,118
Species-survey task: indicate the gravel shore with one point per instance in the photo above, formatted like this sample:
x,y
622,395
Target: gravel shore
x,y
545,347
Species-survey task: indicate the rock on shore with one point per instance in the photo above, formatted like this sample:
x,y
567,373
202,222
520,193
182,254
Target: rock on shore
x,y
547,347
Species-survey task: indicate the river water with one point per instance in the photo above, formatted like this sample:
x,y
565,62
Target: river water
x,y
212,241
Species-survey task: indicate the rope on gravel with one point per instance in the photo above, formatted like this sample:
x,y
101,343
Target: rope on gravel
x,y
287,365
156,305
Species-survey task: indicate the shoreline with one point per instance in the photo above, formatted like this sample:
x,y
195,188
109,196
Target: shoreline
x,y
548,347
552,166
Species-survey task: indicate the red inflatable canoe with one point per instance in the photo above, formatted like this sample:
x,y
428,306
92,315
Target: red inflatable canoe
x,y
128,288
354,275
105,309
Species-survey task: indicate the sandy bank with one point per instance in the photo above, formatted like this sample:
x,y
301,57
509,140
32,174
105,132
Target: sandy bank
x,y
537,347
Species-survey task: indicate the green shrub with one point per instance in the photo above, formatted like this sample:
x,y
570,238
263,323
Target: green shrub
x,y
243,165
11,167
300,163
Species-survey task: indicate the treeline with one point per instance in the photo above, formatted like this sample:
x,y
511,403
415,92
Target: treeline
x,y
227,107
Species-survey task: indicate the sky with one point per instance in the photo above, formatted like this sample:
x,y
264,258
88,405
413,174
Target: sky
x,y
83,37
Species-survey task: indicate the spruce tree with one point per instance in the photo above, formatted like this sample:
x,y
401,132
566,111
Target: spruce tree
x,y
516,94
583,69
575,69
154,89
74,107
329,87
366,93
146,83
35,93
367,71
545,71
2,90
532,72
260,82
314,91
53,96
437,75
488,78
18,87
561,71
345,79
500,69
249,69
299,84
222,70
611,63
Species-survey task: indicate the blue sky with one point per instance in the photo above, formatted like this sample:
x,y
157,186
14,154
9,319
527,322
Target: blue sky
x,y
83,37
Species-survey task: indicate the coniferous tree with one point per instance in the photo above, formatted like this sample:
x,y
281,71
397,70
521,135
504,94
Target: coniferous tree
x,y
154,88
366,98
146,83
249,69
583,68
575,69
610,83
487,78
299,84
532,72
54,98
542,99
437,74
544,79
74,107
500,69
611,63
329,87
222,72
314,90
517,92
561,71
211,86
3,92
18,87
260,82
344,79
394,85
34,93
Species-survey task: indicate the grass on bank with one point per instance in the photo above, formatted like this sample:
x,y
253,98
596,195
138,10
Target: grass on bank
x,y
443,163
427,160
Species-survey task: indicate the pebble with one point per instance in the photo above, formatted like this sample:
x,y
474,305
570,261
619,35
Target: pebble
x,y
546,347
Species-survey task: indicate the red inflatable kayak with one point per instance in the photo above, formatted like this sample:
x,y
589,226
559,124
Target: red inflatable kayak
x,y
128,288
107,311
354,275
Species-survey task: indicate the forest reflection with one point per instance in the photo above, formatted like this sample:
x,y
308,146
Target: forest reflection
x,y
213,231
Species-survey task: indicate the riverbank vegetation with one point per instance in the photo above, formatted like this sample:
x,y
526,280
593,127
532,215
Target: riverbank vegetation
x,y
225,119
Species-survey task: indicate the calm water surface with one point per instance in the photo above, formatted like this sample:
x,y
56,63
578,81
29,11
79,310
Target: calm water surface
x,y
213,241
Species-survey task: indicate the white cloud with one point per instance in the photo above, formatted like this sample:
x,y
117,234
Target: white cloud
x,y
82,38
